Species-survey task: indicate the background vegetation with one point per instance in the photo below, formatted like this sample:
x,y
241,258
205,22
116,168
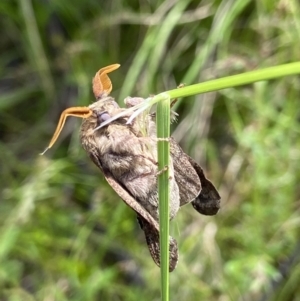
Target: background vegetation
x,y
64,234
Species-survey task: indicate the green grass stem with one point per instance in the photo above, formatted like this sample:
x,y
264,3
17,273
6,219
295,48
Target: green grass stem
x,y
236,80
163,131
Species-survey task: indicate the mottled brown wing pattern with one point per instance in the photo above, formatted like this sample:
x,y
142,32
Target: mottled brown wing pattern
x,y
186,177
207,199
128,161
147,223
152,239
124,157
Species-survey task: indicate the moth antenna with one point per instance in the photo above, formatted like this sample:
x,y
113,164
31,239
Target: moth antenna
x,y
82,112
101,82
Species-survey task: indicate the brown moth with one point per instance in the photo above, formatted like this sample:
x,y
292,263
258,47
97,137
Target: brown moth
x,y
127,156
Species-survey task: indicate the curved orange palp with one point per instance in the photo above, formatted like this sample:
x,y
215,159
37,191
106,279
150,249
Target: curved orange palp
x,y
101,81
82,112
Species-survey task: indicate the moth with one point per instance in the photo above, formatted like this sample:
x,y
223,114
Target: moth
x,y
126,154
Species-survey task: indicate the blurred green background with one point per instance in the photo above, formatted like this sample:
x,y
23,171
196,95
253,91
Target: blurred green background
x,y
64,233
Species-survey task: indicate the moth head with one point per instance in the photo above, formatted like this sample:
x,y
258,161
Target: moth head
x,y
102,86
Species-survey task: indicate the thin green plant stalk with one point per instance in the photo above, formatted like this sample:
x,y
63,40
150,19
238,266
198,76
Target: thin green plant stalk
x,y
36,45
163,149
236,80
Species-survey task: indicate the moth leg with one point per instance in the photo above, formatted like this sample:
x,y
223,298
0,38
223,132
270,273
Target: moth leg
x,y
175,99
162,171
152,239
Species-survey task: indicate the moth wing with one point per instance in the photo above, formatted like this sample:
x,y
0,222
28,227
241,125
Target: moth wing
x,y
186,177
125,195
152,239
208,201
148,224
193,185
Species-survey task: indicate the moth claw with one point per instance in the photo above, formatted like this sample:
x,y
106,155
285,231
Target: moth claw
x,y
162,171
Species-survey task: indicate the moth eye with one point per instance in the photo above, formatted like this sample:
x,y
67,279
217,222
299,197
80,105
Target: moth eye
x,y
101,117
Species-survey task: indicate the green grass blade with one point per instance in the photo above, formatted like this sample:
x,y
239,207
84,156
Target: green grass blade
x,y
163,131
221,28
37,52
237,80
